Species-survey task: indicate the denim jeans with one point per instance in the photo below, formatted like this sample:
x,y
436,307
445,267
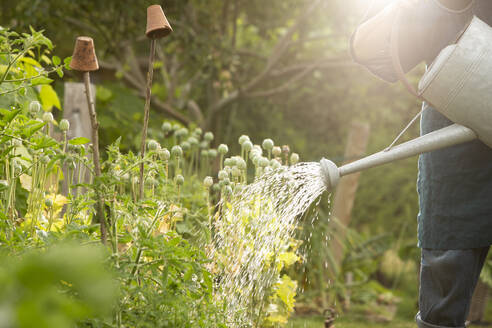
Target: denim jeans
x,y
447,281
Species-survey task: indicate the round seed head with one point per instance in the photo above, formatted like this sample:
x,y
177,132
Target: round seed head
x,y
286,149
208,182
275,164
223,175
242,139
204,153
182,132
179,179
164,154
48,202
223,149
276,151
34,107
166,127
204,145
185,145
153,145
247,145
267,144
212,153
198,131
209,136
294,158
226,181
64,125
264,162
193,141
177,151
48,117
176,127
216,188
228,190
236,172
256,160
241,163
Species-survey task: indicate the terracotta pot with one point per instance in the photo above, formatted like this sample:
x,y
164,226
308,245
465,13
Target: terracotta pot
x,y
84,55
157,24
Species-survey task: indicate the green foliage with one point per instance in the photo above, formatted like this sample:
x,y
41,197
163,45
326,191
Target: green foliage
x,y
58,287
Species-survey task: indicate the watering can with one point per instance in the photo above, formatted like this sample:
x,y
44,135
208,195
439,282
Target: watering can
x,y
458,84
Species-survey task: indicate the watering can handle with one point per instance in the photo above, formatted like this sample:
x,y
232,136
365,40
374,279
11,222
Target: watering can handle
x,y
395,56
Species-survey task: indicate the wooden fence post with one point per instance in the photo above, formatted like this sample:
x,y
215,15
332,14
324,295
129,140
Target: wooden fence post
x,y
343,200
75,111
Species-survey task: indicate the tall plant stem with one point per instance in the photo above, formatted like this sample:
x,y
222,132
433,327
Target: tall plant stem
x,y
148,92
95,154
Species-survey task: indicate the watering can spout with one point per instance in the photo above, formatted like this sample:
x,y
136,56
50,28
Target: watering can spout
x,y
449,136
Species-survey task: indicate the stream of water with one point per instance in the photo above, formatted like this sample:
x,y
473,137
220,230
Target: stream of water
x,y
257,223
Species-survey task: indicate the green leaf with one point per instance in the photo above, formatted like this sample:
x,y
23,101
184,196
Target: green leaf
x,y
56,60
9,115
41,80
79,141
28,131
49,98
66,63
59,71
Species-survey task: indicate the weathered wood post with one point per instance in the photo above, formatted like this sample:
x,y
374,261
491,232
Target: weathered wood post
x,y
343,200
74,110
84,60
157,27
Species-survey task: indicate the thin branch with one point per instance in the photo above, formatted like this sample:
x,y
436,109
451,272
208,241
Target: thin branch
x,y
328,63
156,103
286,86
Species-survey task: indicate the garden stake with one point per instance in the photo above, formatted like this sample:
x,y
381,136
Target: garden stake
x,y
84,60
157,27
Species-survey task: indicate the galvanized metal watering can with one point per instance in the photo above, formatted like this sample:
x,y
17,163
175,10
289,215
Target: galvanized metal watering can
x,y
459,85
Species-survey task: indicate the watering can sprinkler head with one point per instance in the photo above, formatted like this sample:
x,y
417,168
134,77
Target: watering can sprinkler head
x,y
329,173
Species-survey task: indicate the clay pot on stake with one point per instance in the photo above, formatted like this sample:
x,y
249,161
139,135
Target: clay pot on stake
x,y
84,60
157,27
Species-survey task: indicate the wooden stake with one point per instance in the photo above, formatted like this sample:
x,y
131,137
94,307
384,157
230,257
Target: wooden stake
x,y
95,153
148,93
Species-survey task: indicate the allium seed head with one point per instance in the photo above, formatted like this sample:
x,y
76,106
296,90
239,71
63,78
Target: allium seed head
x,y
277,151
193,141
267,144
223,175
236,172
264,162
64,125
243,139
212,153
247,145
164,154
34,107
153,145
179,179
223,149
294,158
209,136
48,117
185,145
48,202
208,182
177,151
166,127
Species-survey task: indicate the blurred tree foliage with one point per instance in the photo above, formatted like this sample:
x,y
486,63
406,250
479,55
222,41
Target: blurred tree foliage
x,y
276,68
